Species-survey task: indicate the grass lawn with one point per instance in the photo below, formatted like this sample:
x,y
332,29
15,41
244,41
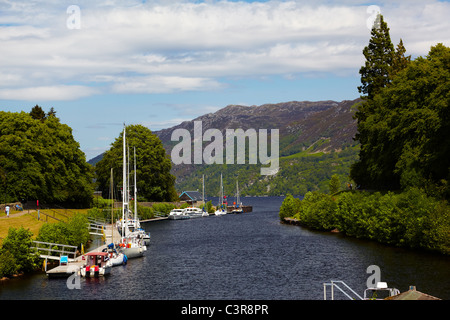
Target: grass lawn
x,y
19,219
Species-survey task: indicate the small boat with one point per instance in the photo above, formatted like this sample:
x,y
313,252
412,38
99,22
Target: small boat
x,y
193,212
97,264
380,292
238,204
116,258
220,210
178,214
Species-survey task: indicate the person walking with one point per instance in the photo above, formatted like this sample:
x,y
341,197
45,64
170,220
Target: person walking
x,y
7,211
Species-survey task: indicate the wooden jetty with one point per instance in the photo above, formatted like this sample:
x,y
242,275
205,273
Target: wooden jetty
x,y
70,266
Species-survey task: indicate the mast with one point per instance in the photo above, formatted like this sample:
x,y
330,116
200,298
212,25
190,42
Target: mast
x,y
112,207
221,192
135,189
124,183
237,194
203,191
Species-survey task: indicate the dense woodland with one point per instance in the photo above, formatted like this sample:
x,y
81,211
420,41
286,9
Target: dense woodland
x,y
404,157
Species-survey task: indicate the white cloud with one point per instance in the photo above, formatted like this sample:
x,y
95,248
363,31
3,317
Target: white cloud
x,y
172,46
49,93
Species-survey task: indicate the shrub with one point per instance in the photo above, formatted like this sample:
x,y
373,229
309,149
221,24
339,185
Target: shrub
x,y
17,243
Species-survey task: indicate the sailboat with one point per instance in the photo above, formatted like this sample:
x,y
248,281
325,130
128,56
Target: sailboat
x,y
116,258
238,205
220,208
204,213
130,245
137,231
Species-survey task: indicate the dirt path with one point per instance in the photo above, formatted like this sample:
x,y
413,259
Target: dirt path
x,y
17,214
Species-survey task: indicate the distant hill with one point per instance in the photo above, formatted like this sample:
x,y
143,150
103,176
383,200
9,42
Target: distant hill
x,y
316,138
96,159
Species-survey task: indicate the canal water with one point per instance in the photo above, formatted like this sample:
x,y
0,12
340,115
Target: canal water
x,y
244,257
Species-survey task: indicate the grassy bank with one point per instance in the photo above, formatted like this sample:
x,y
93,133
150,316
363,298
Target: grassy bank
x,y
409,219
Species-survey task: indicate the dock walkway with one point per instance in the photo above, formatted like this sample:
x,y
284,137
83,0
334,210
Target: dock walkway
x,y
73,266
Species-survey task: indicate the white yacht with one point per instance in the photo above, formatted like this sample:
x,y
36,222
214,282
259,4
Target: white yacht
x,y
193,212
178,214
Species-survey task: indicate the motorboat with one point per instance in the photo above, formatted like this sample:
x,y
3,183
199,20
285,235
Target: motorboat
x,y
193,212
178,214
97,264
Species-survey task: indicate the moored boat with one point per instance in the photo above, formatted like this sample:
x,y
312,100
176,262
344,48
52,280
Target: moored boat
x,y
178,214
97,264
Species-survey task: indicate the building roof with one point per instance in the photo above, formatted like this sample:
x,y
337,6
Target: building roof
x,y
191,195
412,294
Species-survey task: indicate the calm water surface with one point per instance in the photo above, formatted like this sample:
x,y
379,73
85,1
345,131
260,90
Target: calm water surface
x,y
247,256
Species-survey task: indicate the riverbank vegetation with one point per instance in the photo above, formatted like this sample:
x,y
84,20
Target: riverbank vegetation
x,y
16,253
404,134
409,219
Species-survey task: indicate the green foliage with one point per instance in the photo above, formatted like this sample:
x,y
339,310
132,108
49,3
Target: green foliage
x,y
154,181
335,184
289,207
405,129
16,251
163,207
37,113
410,219
375,74
41,160
317,211
298,174
74,232
8,265
209,207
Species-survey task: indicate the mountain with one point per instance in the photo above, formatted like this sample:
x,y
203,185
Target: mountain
x,y
316,138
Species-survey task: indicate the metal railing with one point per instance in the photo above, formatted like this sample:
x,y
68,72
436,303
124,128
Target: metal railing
x,y
48,250
346,290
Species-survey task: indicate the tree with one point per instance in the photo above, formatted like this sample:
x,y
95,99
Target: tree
x,y
41,160
375,166
18,244
37,113
51,113
379,54
335,184
154,181
399,61
407,135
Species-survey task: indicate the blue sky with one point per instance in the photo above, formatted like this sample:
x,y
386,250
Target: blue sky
x,y
158,63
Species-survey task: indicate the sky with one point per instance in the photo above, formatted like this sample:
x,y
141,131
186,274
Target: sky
x,y
104,63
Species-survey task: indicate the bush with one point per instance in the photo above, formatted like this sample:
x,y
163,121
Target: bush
x,y
409,219
317,211
289,207
16,250
8,265
74,232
